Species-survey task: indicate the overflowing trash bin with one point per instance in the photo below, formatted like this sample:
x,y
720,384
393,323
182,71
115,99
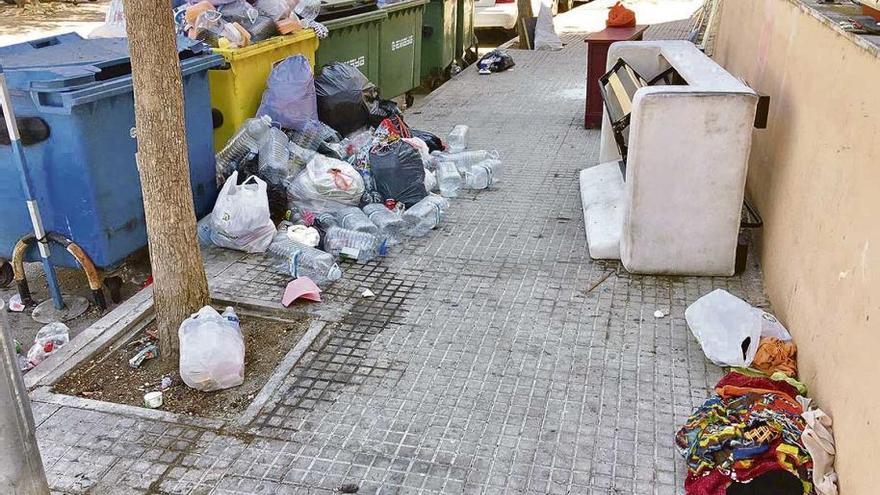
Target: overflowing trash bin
x,y
353,36
81,148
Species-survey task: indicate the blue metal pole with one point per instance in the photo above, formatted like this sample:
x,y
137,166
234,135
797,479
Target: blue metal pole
x,y
27,185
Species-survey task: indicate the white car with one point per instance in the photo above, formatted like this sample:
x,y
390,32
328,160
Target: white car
x,y
503,13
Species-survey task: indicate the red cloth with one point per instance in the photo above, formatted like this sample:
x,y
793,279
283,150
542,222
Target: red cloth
x,y
734,384
620,16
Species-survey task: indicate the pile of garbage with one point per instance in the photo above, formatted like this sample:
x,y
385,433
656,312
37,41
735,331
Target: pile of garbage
x,y
48,341
759,433
239,23
342,167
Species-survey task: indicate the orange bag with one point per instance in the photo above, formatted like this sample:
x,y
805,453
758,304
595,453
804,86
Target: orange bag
x,y
620,16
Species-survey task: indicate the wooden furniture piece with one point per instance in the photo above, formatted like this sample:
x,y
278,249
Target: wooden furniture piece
x,y
597,54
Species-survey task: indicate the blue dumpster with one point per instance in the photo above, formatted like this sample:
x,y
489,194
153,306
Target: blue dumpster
x,y
84,171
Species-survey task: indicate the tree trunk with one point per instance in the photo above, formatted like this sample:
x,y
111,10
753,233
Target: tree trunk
x,y
524,10
179,283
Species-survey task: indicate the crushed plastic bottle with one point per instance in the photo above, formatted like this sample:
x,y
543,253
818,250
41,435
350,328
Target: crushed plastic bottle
x,y
484,174
353,218
449,179
274,157
244,144
352,244
464,160
389,223
458,138
301,260
425,215
49,339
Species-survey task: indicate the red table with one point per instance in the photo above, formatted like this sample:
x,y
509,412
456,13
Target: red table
x,y
597,56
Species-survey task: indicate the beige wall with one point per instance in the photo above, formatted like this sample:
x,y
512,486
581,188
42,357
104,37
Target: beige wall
x,y
815,177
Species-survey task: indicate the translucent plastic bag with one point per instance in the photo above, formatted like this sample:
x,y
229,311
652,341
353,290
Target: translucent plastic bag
x,y
274,9
290,93
308,9
545,33
326,184
241,218
114,23
727,328
211,350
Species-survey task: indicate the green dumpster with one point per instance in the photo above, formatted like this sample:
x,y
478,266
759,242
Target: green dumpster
x,y
400,48
353,40
465,40
438,39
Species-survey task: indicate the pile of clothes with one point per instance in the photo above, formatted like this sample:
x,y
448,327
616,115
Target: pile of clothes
x,y
759,433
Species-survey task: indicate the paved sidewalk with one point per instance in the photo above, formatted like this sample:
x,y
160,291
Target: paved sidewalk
x,y
496,356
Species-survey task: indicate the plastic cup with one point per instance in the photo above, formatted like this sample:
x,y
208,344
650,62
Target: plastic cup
x,y
153,400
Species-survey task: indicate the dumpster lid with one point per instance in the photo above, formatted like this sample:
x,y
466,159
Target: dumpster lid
x,y
69,61
71,49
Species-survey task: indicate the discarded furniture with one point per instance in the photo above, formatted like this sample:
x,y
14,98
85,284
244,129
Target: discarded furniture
x,y
597,52
683,147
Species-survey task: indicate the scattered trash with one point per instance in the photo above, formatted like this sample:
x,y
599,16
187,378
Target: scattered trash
x,y
241,218
367,293
399,173
727,328
166,383
348,488
153,400
343,93
300,260
659,314
545,32
458,139
149,351
308,236
15,305
211,350
483,175
495,61
48,340
301,288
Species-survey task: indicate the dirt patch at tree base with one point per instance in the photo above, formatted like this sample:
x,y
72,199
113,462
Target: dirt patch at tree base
x,y
109,377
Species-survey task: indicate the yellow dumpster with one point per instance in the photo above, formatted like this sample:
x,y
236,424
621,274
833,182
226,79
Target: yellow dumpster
x,y
237,86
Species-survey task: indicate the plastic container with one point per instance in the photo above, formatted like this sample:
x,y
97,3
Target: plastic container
x,y
274,157
353,218
390,224
400,48
237,87
483,175
84,172
353,40
300,260
346,243
438,38
425,215
243,145
465,159
449,179
458,138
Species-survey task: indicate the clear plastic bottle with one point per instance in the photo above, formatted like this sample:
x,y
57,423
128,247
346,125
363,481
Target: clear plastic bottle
x,y
458,138
244,144
301,260
204,227
353,218
326,220
231,317
389,223
484,174
352,244
425,215
449,179
299,158
274,157
465,159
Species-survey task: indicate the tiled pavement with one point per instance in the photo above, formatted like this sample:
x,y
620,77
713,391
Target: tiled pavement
x,y
496,356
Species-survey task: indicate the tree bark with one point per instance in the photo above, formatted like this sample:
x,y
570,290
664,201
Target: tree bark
x,y
179,283
524,10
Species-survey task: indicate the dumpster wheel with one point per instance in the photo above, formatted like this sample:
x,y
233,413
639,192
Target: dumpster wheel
x,y
6,273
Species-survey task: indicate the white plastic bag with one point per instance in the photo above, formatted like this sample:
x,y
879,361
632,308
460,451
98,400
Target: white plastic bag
x,y
326,184
727,328
114,23
211,350
545,33
241,218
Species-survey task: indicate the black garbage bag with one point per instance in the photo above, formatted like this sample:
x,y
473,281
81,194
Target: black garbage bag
x,y
495,61
343,96
398,172
432,140
383,109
